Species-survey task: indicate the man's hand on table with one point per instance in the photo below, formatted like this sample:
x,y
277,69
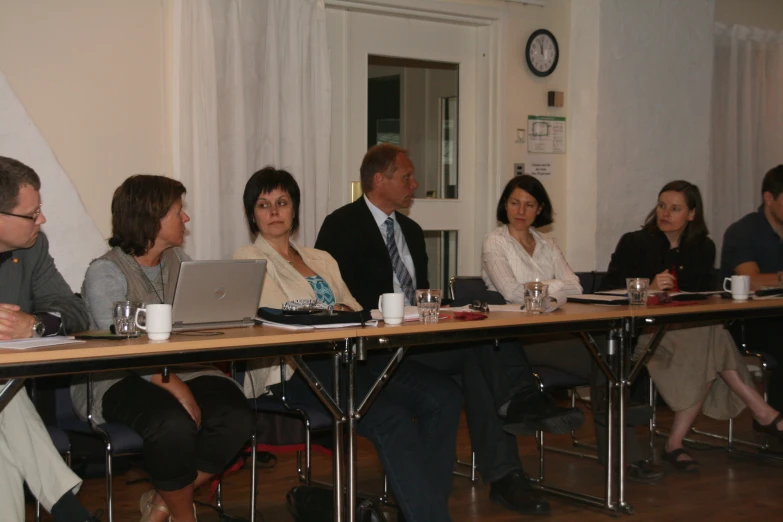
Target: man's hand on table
x,y
15,324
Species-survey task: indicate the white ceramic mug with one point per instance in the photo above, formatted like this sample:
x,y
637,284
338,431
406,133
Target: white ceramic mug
x,y
392,307
740,287
157,321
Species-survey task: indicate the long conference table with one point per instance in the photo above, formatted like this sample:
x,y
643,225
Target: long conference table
x,y
349,345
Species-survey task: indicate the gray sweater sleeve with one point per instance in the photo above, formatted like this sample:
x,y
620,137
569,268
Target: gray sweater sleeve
x,y
104,283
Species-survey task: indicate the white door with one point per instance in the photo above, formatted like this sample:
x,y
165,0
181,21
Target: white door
x,y
357,38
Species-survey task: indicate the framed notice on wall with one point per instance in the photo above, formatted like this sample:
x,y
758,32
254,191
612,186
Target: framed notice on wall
x,y
546,134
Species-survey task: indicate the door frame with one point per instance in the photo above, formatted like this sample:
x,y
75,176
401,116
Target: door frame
x,y
489,21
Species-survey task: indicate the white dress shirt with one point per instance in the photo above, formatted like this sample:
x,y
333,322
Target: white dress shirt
x,y
506,266
405,254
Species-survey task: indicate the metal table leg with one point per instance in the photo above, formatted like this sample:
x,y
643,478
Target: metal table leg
x,y
332,403
337,464
8,391
350,370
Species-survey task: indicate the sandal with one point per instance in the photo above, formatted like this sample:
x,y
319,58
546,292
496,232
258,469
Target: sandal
x,y
687,466
147,507
771,428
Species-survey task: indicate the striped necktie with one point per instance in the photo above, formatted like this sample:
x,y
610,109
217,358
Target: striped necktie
x,y
403,276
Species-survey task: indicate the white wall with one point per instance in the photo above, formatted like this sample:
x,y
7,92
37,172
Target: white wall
x,y
526,94
767,14
90,74
652,102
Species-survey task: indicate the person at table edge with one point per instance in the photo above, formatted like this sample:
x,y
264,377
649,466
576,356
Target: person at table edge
x,y
753,246
35,301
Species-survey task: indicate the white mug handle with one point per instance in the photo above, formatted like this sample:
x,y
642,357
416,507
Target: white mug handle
x,y
726,280
136,318
380,306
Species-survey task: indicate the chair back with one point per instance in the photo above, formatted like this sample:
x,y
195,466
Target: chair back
x,y
466,289
591,281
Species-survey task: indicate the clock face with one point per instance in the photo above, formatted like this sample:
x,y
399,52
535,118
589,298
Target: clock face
x,y
542,53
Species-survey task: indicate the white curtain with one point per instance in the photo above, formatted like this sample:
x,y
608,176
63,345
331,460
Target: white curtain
x,y
747,120
250,88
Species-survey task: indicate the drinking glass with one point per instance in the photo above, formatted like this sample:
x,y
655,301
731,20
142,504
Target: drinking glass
x,y
536,297
124,314
428,302
637,290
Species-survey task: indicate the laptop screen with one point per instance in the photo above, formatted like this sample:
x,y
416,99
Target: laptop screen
x,y
215,292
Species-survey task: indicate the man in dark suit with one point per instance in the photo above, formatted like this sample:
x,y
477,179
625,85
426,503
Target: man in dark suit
x,y
379,250
35,300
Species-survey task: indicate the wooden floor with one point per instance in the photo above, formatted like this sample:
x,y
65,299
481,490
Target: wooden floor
x,y
727,488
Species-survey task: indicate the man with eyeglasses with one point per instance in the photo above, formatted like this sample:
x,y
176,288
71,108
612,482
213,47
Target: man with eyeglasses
x,y
35,300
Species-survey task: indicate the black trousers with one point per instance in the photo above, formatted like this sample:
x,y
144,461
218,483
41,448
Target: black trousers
x,y
484,388
174,448
412,423
763,336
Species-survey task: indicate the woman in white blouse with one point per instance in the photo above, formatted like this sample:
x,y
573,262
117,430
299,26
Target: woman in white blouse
x,y
515,253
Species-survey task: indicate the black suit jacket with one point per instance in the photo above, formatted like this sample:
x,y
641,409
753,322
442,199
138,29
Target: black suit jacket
x,y
352,237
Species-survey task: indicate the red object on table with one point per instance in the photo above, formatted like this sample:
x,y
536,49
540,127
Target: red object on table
x,y
469,316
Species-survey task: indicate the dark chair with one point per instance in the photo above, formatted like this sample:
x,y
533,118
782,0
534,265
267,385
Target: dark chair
x,y
59,438
117,439
464,290
469,288
549,380
591,281
313,420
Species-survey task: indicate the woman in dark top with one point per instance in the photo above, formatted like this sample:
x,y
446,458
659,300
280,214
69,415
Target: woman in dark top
x,y
674,251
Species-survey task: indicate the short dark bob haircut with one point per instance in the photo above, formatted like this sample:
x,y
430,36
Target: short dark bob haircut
x,y
137,208
533,187
379,158
14,174
773,182
263,182
695,230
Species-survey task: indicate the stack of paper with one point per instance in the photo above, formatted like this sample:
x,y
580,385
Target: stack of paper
x,y
37,342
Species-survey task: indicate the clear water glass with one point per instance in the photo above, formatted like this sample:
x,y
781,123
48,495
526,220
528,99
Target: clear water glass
x,y
536,297
124,313
637,290
428,302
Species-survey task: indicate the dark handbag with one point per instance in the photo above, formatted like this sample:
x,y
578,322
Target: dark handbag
x,y
316,504
276,315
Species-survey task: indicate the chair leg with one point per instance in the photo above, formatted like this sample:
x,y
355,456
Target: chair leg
x,y
219,495
253,478
652,396
541,451
109,477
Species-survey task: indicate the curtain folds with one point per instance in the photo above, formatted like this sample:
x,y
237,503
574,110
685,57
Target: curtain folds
x,y
747,120
250,87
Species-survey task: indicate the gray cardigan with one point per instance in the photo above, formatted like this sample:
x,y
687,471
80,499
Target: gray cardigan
x,y
31,280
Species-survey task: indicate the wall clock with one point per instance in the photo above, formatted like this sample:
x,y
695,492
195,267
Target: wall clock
x,y
542,52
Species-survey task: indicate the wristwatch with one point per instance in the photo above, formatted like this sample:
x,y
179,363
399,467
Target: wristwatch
x,y
38,327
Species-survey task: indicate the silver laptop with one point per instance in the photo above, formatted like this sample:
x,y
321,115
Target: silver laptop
x,y
217,294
